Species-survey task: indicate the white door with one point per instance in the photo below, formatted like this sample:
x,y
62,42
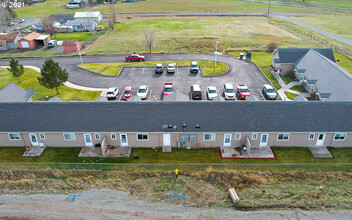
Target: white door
x,y
227,140
320,140
264,140
25,44
34,139
166,139
124,140
88,139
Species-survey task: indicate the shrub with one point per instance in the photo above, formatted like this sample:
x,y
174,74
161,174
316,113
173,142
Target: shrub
x,y
271,46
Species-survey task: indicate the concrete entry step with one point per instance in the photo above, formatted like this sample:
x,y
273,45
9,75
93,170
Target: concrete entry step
x,y
320,152
167,149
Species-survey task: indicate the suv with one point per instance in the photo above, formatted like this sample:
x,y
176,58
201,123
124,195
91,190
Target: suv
x,y
159,68
229,92
171,68
196,92
112,93
242,91
194,67
52,43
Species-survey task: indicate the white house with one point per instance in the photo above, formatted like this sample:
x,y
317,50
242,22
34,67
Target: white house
x,y
92,15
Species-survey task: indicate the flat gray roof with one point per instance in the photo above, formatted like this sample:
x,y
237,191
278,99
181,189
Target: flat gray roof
x,y
14,93
145,116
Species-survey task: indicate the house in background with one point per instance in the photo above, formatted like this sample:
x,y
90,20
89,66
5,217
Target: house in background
x,y
14,93
33,40
317,72
9,41
71,45
81,25
88,16
62,18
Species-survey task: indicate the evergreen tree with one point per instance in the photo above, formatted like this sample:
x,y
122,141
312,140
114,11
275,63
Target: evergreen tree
x,y
16,69
52,76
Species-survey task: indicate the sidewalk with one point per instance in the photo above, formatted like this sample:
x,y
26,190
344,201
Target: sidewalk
x,y
286,88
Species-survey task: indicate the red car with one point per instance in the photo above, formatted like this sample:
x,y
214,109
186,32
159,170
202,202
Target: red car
x,y
127,93
242,91
135,57
168,89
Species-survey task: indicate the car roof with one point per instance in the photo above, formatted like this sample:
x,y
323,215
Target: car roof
x,y
194,62
268,86
229,85
196,87
143,87
112,89
159,64
171,64
128,88
211,87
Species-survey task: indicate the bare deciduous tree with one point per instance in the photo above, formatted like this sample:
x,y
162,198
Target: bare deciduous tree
x,y
112,17
6,13
48,25
149,39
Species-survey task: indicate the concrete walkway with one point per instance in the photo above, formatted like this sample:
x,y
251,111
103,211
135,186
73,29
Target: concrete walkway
x,y
286,88
320,152
325,33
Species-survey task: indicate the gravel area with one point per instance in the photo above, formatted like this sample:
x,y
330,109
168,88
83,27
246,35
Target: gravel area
x,y
107,204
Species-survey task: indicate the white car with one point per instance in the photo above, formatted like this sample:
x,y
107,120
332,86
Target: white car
x,y
112,93
269,92
212,92
171,68
142,92
229,92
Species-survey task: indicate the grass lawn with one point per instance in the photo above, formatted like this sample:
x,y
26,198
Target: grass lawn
x,y
82,36
163,6
29,80
286,79
345,4
263,60
45,8
344,62
290,95
114,68
195,34
297,88
333,24
34,54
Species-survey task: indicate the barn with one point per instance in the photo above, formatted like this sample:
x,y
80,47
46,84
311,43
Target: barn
x,y
72,45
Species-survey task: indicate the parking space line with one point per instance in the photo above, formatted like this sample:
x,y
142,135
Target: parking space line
x,y
121,96
150,94
176,70
143,70
205,95
132,70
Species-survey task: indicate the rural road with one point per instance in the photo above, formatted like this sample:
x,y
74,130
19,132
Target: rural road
x,y
325,33
238,69
105,204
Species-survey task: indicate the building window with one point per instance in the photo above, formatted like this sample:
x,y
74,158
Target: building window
x,y
142,137
14,136
340,136
192,138
254,136
42,135
184,138
69,137
188,138
311,136
282,137
97,136
113,136
209,137
238,136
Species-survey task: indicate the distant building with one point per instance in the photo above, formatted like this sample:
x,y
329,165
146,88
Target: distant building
x,y
33,40
92,15
14,93
81,25
71,45
9,41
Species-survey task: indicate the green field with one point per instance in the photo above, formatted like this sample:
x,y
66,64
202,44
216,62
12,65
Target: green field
x,y
191,6
29,80
195,34
344,4
112,69
333,24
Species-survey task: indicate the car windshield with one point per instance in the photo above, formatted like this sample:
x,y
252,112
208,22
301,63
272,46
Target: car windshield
x,y
212,91
194,66
229,90
110,93
270,91
168,89
244,90
170,66
142,91
159,67
127,92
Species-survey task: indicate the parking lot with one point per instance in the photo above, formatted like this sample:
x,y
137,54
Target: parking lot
x,y
183,79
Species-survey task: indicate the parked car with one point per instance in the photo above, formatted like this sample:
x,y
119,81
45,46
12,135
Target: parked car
x,y
127,93
72,6
134,57
242,91
196,92
171,68
229,92
168,89
22,20
11,24
112,93
52,43
26,31
212,92
142,92
159,68
269,92
194,67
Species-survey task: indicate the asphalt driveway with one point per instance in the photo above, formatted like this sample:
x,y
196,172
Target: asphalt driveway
x,y
239,72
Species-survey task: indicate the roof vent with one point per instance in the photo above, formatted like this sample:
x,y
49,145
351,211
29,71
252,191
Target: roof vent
x,y
184,126
197,126
170,126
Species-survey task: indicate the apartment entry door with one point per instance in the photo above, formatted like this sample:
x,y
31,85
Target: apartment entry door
x,y
320,140
264,140
167,139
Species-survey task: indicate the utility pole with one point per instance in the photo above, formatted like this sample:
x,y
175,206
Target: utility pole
x,y
216,51
269,9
